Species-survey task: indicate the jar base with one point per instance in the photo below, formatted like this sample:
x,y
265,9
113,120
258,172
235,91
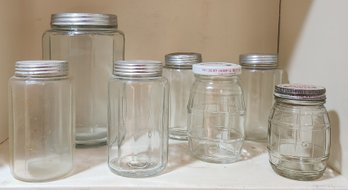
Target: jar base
x,y
297,175
178,134
86,136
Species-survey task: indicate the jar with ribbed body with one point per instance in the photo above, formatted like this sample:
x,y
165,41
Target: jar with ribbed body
x,y
178,71
138,119
216,113
41,121
90,43
259,77
299,132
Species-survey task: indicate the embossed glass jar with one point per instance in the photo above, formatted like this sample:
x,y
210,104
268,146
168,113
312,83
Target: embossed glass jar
x,y
299,132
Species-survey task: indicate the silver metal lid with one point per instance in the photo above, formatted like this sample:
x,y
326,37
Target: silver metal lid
x,y
259,60
137,68
300,92
41,68
182,59
83,19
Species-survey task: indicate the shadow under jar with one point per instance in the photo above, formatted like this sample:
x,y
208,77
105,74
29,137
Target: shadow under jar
x,y
138,119
299,132
216,113
90,43
41,121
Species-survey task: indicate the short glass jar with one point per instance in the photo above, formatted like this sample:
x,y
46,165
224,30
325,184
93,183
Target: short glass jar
x,y
178,71
90,43
299,132
216,113
41,121
138,119
259,77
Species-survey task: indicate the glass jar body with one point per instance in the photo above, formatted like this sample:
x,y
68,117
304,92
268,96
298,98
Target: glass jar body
x,y
90,52
138,126
258,86
216,119
299,139
180,82
41,128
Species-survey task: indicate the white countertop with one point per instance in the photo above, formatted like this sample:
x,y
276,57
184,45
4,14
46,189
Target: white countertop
x,y
182,172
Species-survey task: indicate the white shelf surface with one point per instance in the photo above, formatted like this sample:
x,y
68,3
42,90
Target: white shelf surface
x,y
182,172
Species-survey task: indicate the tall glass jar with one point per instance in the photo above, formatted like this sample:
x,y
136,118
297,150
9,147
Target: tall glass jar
x,y
90,43
299,132
178,70
41,121
216,113
258,78
138,119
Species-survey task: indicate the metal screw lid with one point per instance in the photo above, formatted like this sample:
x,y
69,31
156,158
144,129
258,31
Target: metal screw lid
x,y
182,59
41,68
259,61
84,19
137,68
300,92
216,69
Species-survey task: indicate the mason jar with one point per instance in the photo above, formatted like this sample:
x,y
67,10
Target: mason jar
x,y
91,43
259,76
216,113
41,120
138,119
178,71
299,132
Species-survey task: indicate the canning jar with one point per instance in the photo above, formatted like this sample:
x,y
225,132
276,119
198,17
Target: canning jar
x,y
299,132
216,113
178,71
41,120
91,43
259,76
138,119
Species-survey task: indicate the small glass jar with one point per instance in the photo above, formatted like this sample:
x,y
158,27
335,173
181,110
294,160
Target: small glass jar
x,y
258,78
138,119
41,121
216,113
90,43
299,132
178,71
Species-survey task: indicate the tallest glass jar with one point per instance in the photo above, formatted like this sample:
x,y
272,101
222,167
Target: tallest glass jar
x,y
90,43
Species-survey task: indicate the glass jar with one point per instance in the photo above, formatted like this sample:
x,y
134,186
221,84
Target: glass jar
x,y
178,71
138,119
258,78
216,113
90,43
41,121
299,132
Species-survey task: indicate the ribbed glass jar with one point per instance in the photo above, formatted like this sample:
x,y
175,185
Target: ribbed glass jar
x,y
178,71
91,43
41,121
138,119
299,132
216,113
259,77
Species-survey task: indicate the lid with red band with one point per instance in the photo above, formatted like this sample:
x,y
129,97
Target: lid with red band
x,y
216,69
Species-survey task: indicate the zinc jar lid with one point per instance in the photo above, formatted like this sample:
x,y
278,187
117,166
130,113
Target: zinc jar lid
x,y
216,69
137,68
182,59
41,68
259,60
83,19
300,92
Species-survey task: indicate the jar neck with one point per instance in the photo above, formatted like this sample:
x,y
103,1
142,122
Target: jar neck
x,y
300,102
84,27
214,77
137,77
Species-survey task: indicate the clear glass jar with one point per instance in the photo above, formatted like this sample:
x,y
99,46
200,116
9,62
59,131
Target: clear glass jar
x,y
299,132
258,78
138,119
41,121
216,113
178,71
90,43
